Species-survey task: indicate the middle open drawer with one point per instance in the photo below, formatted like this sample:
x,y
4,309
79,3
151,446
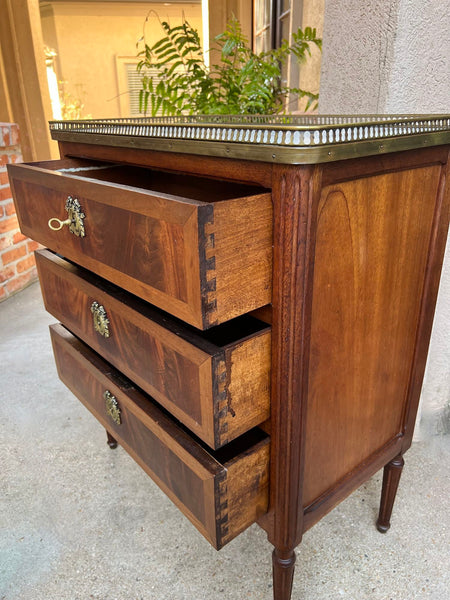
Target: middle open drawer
x,y
217,382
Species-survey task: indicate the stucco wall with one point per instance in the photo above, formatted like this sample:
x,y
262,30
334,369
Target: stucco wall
x,y
392,56
418,77
357,43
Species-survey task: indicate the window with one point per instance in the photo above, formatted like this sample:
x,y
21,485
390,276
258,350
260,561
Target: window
x,y
129,84
262,25
274,21
283,18
134,85
271,19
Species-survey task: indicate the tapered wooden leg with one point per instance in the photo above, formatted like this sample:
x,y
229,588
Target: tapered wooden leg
x,y
283,574
391,477
112,443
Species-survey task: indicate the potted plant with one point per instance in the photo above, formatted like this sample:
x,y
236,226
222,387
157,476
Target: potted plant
x,y
242,82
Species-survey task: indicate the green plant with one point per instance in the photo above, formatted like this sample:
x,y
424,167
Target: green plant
x,y
241,83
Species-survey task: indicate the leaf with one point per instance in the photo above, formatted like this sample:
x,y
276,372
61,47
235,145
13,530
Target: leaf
x,y
143,101
168,56
175,65
242,82
162,45
189,49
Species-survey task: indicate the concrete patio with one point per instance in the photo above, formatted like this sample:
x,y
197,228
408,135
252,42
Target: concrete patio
x,y
79,521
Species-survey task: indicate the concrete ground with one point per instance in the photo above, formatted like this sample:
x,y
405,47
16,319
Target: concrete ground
x,y
79,521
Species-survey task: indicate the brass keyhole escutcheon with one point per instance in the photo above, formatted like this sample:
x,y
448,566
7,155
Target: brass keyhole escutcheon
x,y
74,221
112,407
101,321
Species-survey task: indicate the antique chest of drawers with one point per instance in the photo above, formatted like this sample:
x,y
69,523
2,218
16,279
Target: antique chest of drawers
x,y
245,304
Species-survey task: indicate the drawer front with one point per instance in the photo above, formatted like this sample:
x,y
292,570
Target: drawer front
x,y
199,249
219,390
221,493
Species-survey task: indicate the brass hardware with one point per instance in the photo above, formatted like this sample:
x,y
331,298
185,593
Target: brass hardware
x,y
76,215
74,221
112,407
101,320
60,224
286,139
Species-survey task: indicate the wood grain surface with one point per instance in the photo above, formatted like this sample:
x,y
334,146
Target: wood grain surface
x,y
217,384
350,293
372,243
247,171
205,489
176,252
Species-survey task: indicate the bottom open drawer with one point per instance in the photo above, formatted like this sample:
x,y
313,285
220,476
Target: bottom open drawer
x,y
221,492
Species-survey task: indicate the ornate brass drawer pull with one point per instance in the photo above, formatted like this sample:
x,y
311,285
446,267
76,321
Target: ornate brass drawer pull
x,y
101,321
74,221
112,407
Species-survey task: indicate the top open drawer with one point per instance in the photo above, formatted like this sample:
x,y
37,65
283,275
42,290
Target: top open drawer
x,y
200,249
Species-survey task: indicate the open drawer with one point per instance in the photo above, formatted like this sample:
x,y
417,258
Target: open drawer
x,y
200,249
216,382
221,492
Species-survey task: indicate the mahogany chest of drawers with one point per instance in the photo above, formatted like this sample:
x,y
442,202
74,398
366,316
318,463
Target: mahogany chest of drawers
x,y
246,304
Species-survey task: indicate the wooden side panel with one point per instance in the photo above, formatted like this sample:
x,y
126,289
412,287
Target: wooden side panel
x,y
373,237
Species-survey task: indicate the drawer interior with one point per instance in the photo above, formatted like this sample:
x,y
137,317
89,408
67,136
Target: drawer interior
x,y
179,185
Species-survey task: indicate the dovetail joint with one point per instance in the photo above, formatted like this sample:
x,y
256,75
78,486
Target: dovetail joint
x,y
223,508
221,500
221,400
207,245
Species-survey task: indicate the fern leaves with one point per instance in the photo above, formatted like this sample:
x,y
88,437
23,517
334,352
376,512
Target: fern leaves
x,y
241,83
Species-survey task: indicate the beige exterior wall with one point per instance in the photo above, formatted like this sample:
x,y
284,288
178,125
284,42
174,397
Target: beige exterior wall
x,y
308,13
89,36
313,14
221,11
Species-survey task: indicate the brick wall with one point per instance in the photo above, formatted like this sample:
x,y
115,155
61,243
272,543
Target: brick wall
x,y
17,266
